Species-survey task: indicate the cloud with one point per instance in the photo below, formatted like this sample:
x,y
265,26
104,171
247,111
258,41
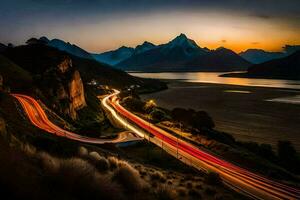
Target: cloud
x,y
223,41
255,43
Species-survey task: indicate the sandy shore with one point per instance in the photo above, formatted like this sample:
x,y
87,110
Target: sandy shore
x,y
242,111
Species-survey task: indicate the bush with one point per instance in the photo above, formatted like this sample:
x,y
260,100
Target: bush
x,y
129,177
157,175
82,151
263,150
133,104
158,115
195,119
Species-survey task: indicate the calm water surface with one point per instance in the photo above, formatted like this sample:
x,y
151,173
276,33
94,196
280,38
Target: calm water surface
x,y
212,77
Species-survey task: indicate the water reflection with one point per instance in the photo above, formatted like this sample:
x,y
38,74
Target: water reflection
x,y
212,77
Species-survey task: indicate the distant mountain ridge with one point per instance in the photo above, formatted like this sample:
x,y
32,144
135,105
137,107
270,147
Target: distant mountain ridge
x,y
67,47
257,56
281,68
116,56
183,54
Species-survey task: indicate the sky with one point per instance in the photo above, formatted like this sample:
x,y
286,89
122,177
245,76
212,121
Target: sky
x,y
101,25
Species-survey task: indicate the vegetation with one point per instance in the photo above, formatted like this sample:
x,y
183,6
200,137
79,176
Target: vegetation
x,y
192,118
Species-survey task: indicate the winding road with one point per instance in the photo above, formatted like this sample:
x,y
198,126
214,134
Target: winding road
x,y
254,185
38,117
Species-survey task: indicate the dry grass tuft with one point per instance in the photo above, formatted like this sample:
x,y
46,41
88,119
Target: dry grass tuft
x,y
82,151
129,177
48,163
158,176
113,162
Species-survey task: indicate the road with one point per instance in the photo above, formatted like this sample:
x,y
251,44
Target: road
x,y
254,185
38,117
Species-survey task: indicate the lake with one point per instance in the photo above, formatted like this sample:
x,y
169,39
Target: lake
x,y
261,110
212,77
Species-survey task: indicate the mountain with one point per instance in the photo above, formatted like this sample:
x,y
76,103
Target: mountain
x,y
221,59
143,47
282,68
183,54
257,56
116,56
67,47
289,49
288,67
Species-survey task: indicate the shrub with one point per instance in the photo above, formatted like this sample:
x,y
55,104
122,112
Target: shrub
x,y
129,177
195,119
158,115
113,162
94,156
48,163
134,104
157,175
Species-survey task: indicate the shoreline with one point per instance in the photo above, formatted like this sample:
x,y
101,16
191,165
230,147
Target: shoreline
x,y
242,111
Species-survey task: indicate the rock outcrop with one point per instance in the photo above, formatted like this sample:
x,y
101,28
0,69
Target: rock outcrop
x,y
69,89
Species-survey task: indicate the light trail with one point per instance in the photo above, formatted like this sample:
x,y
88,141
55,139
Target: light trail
x,y
38,118
244,180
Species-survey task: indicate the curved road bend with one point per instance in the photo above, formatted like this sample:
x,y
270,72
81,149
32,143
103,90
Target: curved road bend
x,y
38,117
254,185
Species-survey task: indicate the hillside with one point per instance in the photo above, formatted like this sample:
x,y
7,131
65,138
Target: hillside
x,y
67,47
257,56
282,68
19,79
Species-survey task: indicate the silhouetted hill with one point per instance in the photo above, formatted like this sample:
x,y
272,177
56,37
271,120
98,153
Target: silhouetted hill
x,y
66,46
221,59
183,54
282,68
116,56
257,56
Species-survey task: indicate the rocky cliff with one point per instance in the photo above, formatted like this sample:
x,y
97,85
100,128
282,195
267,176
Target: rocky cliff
x,y
68,89
56,80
